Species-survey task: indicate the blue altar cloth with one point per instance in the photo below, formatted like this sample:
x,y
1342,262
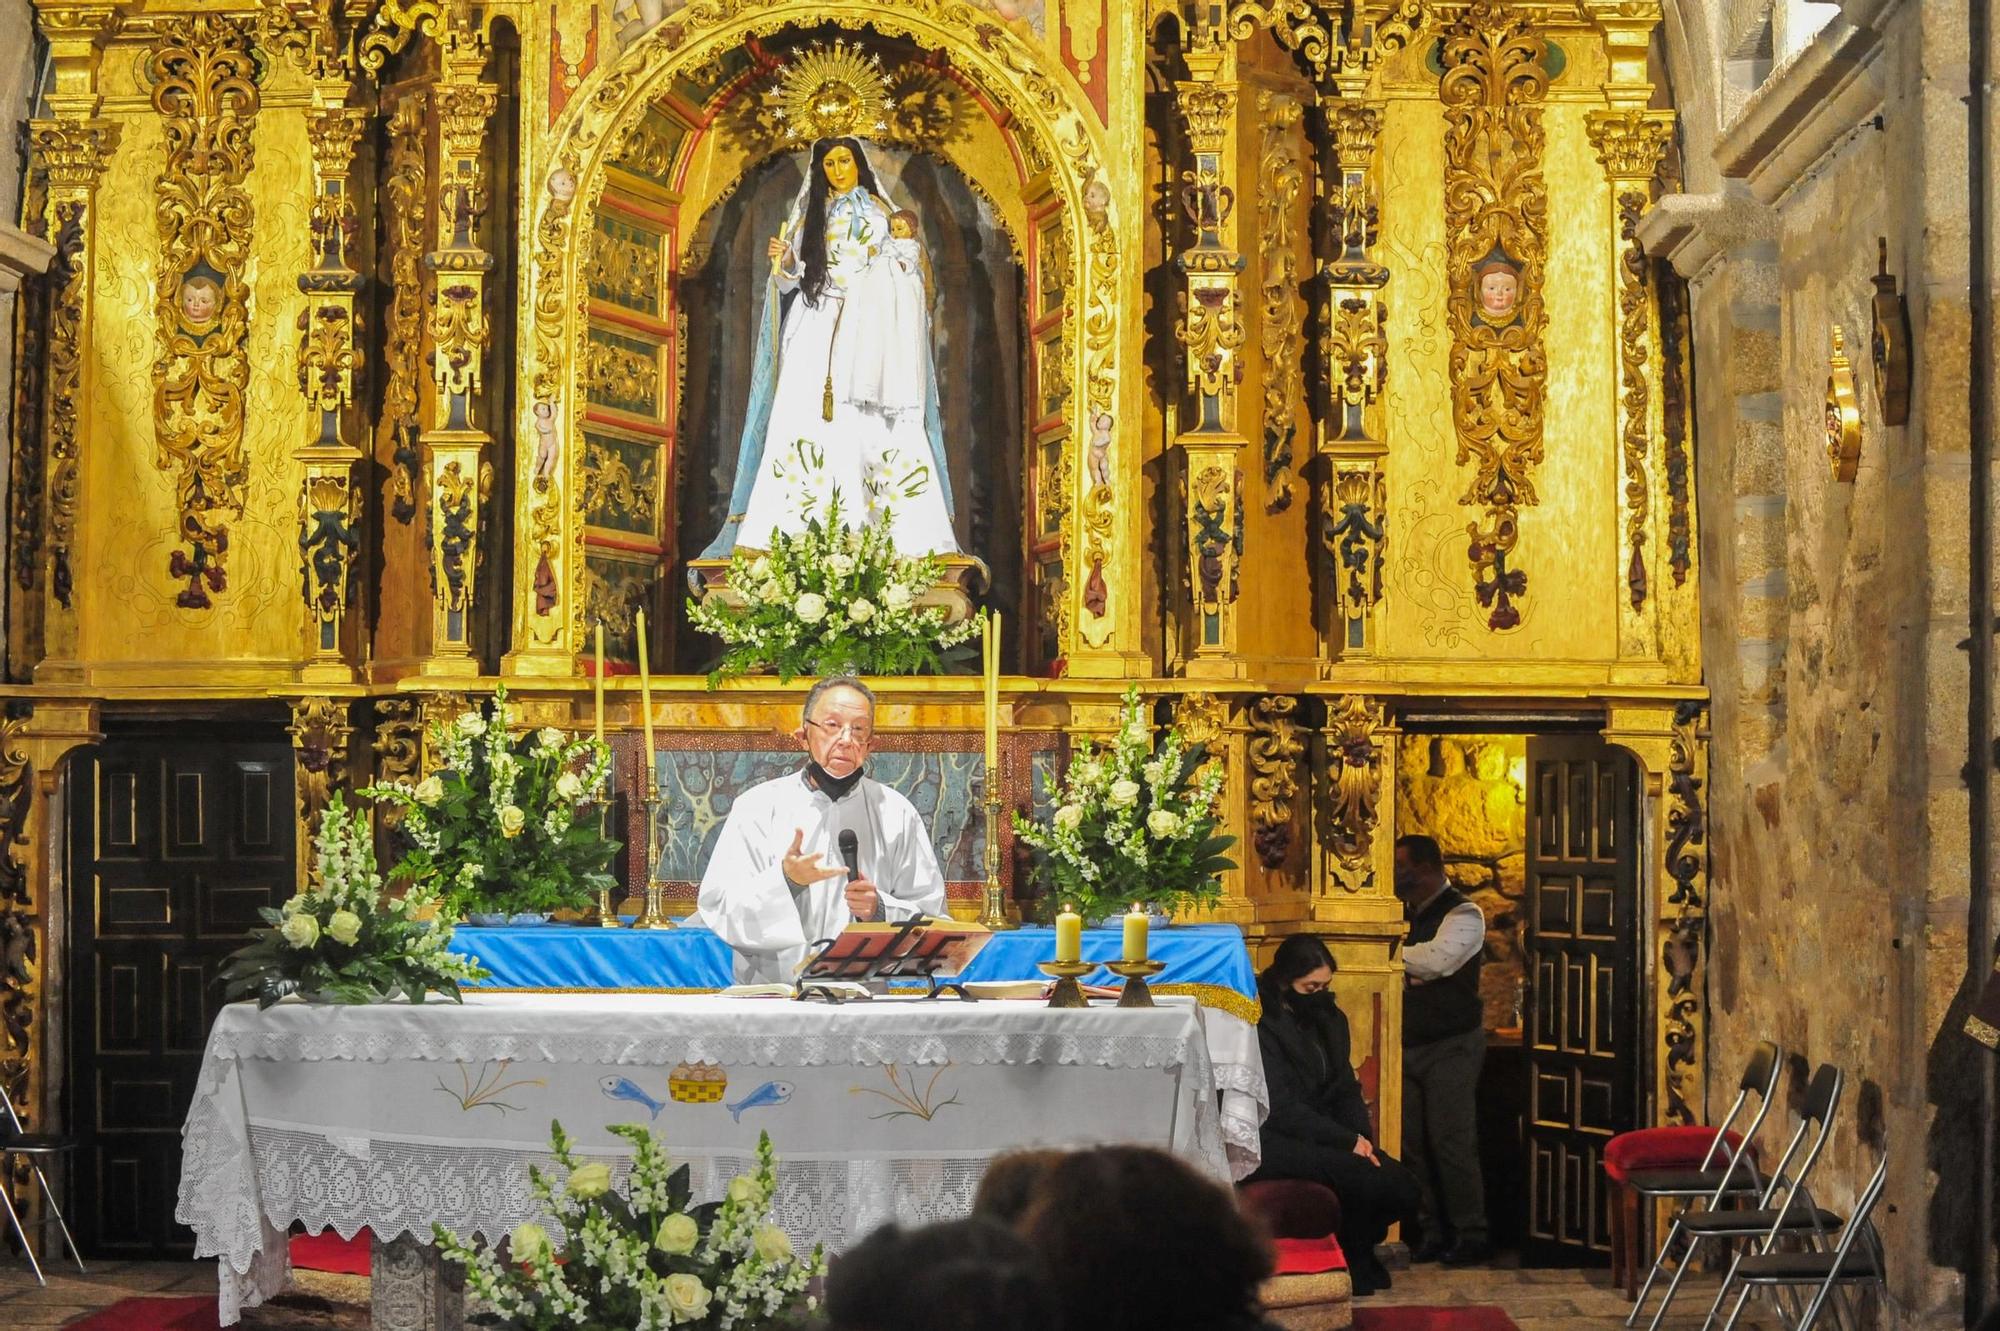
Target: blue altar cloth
x,y
1209,961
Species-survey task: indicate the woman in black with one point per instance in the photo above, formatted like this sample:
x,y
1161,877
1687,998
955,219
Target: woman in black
x,y
1319,1129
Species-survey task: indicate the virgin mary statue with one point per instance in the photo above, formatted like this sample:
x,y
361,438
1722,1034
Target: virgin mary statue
x,y
843,394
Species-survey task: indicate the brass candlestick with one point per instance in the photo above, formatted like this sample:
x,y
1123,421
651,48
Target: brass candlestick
x,y
993,911
1137,992
1065,973
653,916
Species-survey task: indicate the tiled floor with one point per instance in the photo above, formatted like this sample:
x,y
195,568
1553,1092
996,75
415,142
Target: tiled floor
x,y
1537,1300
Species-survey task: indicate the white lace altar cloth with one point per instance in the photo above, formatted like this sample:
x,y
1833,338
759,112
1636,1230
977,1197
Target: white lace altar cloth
x,y
397,1117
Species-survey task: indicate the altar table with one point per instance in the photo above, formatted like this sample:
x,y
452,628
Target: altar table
x,y
397,1116
1208,962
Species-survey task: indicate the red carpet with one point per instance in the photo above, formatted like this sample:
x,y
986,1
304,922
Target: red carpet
x,y
327,1251
1478,1317
187,1313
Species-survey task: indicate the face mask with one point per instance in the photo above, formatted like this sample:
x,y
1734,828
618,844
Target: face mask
x,y
833,787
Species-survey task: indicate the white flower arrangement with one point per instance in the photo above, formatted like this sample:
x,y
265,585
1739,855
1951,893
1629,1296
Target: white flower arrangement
x,y
831,599
1134,823
496,828
341,940
646,1258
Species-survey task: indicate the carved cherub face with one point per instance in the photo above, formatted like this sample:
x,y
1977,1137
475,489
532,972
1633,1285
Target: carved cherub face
x,y
562,185
841,171
201,301
1499,288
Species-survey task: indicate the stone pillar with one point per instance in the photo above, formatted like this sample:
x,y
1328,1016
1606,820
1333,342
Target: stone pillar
x,y
454,448
1212,332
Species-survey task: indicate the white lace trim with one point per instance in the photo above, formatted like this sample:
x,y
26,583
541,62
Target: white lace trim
x,y
650,1049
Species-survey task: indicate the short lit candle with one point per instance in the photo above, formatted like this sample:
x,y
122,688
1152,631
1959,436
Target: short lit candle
x,y
598,710
1069,934
645,688
1135,934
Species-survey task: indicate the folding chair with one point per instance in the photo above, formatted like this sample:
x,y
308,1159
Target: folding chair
x,y
1727,1169
33,1148
1847,1264
1822,1098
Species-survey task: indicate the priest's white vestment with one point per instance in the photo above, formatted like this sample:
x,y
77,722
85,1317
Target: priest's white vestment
x,y
747,902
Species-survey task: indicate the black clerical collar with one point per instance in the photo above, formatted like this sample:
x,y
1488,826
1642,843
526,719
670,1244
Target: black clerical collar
x,y
833,787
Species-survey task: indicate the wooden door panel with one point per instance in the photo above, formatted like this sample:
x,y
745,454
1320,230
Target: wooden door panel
x,y
1582,1055
177,844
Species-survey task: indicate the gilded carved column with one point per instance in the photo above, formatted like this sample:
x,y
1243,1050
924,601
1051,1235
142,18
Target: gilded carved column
x,y
454,447
330,360
320,734
1216,722
1629,143
1212,333
1354,349
70,149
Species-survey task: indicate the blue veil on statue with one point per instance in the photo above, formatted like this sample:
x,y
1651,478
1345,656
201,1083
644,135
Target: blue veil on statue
x,y
765,370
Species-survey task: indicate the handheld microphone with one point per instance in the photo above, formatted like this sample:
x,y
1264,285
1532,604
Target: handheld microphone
x,y
850,853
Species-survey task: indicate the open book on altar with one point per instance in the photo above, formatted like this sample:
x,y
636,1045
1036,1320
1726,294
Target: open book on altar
x,y
919,948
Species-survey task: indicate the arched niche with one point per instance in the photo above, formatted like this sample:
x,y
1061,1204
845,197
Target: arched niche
x,y
667,99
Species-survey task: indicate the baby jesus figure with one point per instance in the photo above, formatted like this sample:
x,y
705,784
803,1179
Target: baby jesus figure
x,y
888,311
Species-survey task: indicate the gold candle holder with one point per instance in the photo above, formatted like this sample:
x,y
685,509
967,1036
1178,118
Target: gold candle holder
x,y
993,905
1137,993
653,915
1066,973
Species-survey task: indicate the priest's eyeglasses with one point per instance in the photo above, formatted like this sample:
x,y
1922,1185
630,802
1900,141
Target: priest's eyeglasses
x,y
860,733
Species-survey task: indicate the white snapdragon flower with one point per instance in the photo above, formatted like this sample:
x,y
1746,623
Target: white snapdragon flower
x,y
810,607
1154,771
760,569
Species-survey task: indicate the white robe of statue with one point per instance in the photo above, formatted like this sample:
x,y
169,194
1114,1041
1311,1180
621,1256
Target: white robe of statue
x,y
744,896
869,337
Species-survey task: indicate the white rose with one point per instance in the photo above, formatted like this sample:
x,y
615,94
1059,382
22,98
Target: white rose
x,y
773,1245
897,597
861,610
1087,773
1124,794
771,592
569,785
429,790
550,737
678,1235
588,1181
529,1243
742,1189
343,926
1154,770
301,931
842,565
1163,823
810,607
1069,817
512,820
687,1297
472,723
293,905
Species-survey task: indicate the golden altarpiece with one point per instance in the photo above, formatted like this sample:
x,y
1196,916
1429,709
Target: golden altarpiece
x,y
1307,372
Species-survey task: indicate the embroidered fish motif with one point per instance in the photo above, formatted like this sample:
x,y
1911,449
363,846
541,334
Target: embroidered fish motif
x,y
770,1093
624,1088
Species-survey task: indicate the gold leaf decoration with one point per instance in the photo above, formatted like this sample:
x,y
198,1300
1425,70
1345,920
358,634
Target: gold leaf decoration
x,y
1354,772
408,225
1496,221
1274,751
203,89
1280,181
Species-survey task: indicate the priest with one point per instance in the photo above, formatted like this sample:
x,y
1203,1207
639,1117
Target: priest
x,y
778,880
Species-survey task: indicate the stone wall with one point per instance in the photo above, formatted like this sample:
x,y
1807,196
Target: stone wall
x,y
1834,613
1466,791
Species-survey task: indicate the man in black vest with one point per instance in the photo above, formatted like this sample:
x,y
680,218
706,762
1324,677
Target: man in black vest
x,y
1444,1042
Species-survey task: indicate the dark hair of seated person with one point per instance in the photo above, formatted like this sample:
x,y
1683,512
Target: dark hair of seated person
x,y
965,1275
1139,1240
1298,956
1011,1181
